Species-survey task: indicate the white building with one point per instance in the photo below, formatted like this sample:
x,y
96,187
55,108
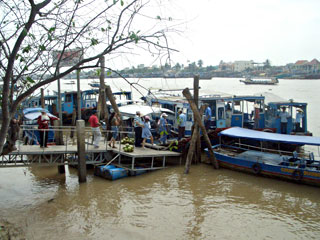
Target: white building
x,y
240,66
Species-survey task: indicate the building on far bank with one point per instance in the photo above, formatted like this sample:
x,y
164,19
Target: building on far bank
x,y
240,66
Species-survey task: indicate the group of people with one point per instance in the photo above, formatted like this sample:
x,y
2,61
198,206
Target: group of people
x,y
113,125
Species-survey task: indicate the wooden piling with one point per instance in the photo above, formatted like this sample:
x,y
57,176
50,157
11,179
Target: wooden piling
x,y
78,95
196,101
198,119
82,169
42,98
103,114
193,142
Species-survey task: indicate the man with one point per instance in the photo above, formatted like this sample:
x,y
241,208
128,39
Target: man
x,y
43,126
182,119
284,120
299,117
207,119
95,127
163,131
138,125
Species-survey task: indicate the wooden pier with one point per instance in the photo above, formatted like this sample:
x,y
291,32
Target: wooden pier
x,y
54,155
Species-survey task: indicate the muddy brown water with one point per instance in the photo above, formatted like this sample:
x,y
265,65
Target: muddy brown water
x,y
166,204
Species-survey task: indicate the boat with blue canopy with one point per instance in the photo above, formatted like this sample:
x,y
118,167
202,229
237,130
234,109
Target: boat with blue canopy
x,y
232,152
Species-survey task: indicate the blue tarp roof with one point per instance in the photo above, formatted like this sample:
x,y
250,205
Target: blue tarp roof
x,y
238,132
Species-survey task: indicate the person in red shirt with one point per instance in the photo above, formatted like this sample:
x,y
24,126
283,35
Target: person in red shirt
x,y
95,127
43,125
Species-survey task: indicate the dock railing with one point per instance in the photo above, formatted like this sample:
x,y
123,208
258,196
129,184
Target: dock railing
x,y
29,135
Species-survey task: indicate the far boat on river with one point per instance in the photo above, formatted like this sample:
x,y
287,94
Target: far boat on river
x,y
264,81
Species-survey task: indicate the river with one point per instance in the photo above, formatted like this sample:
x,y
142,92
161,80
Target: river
x,y
167,204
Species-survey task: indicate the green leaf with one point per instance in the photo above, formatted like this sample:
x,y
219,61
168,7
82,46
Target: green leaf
x,y
94,41
24,32
103,29
26,49
108,73
52,29
158,17
122,3
49,37
98,72
26,68
30,80
42,48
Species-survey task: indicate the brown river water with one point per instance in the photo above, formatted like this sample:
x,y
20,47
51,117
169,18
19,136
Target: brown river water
x,y
167,204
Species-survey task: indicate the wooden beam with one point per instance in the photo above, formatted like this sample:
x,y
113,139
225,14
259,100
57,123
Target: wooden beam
x,y
198,119
196,101
193,142
82,168
42,98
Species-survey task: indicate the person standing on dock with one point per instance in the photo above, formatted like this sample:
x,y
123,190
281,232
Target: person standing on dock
x,y
146,132
182,119
114,122
284,120
95,127
207,119
43,126
163,128
138,125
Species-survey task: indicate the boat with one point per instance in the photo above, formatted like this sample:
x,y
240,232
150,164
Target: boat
x,y
249,80
232,153
71,82
227,110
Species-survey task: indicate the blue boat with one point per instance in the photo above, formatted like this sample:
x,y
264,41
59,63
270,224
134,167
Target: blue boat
x,y
227,110
262,161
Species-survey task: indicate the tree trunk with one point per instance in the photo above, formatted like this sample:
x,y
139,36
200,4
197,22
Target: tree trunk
x,y
197,118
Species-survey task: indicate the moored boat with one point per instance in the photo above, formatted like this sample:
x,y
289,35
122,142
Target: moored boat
x,y
292,166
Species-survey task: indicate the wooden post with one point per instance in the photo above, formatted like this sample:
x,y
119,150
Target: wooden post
x,y
196,101
78,95
198,119
42,98
58,135
112,99
61,169
73,121
82,168
193,141
102,91
59,141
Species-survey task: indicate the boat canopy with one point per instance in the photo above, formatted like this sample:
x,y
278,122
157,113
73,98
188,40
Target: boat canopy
x,y
34,113
238,132
131,109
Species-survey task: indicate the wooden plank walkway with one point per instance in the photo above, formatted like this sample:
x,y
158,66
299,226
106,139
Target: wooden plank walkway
x,y
72,149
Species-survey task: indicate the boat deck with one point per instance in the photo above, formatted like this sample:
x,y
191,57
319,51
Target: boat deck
x,y
263,157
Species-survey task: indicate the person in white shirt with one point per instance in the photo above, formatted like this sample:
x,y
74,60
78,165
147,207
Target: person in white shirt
x,y
284,120
299,116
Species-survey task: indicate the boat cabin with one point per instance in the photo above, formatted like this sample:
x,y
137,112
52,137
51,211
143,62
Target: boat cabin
x,y
293,108
236,111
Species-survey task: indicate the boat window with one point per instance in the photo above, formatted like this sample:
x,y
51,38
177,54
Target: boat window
x,y
220,113
237,107
189,115
68,98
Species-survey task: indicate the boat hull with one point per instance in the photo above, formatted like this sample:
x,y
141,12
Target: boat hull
x,y
288,173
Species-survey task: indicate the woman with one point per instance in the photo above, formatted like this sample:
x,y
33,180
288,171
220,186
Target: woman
x,y
163,128
114,122
43,125
146,132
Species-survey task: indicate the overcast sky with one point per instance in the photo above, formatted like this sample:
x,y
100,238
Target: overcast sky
x,y
282,31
